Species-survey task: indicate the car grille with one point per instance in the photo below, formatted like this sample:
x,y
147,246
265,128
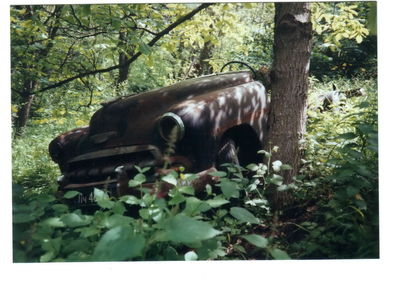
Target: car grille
x,y
100,165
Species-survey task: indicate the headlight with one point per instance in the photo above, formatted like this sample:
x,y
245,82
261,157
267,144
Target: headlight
x,y
169,124
55,150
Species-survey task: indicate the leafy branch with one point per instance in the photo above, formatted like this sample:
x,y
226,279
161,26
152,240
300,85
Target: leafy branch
x,y
134,57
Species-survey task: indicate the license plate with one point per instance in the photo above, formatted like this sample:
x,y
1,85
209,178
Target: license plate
x,y
85,198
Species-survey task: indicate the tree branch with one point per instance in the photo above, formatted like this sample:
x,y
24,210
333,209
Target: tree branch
x,y
135,56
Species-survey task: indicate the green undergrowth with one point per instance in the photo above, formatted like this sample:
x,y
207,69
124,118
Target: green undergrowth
x,y
334,215
221,224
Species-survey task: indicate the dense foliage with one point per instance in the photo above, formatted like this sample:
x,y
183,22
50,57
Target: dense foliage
x,y
335,212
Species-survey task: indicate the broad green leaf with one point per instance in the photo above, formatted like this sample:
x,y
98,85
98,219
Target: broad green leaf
x,y
137,180
243,215
186,190
54,222
89,231
60,208
253,167
130,199
75,245
229,189
75,220
210,249
217,202
118,208
279,254
177,198
47,257
195,206
208,189
116,220
267,154
105,203
218,174
170,179
183,229
256,240
100,194
23,213
71,194
285,167
118,244
276,179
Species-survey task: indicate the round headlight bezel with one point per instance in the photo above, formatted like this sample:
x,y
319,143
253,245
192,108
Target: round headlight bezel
x,y
164,126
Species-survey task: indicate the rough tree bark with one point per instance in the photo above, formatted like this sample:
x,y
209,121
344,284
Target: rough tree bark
x,y
289,77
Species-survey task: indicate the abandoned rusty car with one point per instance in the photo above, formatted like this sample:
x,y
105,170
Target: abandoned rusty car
x,y
216,119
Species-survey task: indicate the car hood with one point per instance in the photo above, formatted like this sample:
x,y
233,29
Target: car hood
x,y
132,120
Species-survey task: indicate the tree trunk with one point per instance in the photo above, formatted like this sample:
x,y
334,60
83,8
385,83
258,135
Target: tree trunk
x,y
203,61
25,106
289,76
124,64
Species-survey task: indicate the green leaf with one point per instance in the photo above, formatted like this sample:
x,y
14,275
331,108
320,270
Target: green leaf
x,y
137,180
105,203
60,208
177,198
116,220
190,256
208,189
252,167
71,194
75,220
256,240
210,249
276,179
186,190
100,194
118,244
286,167
195,206
89,231
183,229
267,154
130,199
47,256
118,208
217,202
229,189
54,222
170,179
218,174
279,254
243,215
